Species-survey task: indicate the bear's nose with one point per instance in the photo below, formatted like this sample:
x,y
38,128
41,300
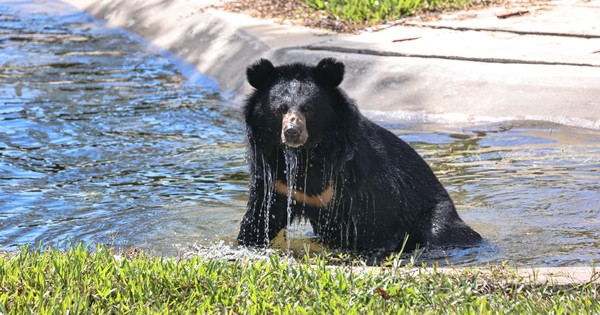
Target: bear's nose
x,y
291,134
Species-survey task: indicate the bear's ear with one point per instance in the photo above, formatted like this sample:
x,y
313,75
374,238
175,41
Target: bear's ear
x,y
259,73
330,72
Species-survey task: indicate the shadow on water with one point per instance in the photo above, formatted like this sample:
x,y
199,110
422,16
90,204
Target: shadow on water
x,y
102,140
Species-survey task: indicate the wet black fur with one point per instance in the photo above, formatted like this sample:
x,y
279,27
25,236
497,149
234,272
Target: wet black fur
x,y
384,190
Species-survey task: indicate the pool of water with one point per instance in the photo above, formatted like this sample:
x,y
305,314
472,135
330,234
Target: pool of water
x,y
103,140
532,190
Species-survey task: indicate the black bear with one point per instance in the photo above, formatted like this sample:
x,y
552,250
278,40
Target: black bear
x,y
313,155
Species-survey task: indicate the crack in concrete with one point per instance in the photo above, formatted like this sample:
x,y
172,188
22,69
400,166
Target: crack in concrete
x,y
371,52
500,30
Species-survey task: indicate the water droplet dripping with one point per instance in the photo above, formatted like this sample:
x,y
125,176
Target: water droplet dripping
x,y
291,162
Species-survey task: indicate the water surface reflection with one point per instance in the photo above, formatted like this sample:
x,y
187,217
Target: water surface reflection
x,y
103,140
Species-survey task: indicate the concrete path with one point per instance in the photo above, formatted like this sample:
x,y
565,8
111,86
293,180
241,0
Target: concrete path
x,y
468,66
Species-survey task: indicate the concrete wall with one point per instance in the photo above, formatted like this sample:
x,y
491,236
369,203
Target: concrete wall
x,y
388,84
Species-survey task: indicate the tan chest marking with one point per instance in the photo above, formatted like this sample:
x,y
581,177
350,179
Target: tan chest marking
x,y
320,201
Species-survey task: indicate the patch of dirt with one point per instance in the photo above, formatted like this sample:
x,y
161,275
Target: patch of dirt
x,y
292,12
296,12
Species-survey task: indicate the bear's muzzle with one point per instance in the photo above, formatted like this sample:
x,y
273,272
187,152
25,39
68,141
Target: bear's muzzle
x,y
293,130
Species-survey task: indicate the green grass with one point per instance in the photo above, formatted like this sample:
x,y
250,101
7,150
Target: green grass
x,y
83,281
369,12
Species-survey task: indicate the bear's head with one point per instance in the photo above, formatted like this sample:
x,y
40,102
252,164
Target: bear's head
x,y
296,104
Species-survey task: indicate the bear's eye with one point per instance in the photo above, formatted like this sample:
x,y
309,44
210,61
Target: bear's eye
x,y
306,109
282,109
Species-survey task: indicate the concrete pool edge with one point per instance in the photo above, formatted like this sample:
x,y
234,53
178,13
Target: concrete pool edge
x,y
561,276
527,275
391,80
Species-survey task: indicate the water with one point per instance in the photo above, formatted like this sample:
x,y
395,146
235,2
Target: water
x,y
532,190
103,140
291,162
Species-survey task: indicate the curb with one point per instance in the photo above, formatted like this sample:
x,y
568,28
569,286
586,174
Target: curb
x,y
553,276
541,276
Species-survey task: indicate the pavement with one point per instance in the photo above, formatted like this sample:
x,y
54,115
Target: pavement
x,y
522,61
